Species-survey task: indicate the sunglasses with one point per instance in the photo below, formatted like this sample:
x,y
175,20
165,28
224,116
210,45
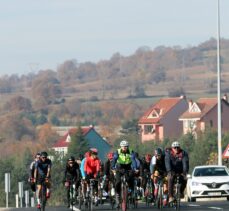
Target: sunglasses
x,y
43,157
176,147
70,162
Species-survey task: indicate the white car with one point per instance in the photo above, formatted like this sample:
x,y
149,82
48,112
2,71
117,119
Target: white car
x,y
207,182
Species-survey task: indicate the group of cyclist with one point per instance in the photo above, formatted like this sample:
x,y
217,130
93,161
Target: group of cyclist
x,y
164,164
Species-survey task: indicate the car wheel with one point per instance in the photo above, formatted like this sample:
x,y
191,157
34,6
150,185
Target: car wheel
x,y
227,198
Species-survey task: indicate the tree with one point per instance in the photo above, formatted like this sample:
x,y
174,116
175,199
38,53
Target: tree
x,y
78,144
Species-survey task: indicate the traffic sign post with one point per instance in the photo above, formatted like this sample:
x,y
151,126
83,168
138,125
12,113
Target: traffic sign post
x,y
21,193
7,188
26,198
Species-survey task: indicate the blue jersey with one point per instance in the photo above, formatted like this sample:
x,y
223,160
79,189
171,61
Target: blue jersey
x,y
42,167
82,168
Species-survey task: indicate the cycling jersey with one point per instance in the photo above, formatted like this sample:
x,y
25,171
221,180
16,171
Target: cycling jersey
x,y
124,160
42,167
177,163
158,165
82,168
92,166
71,172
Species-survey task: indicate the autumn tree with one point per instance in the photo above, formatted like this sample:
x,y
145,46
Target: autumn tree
x,y
46,87
19,103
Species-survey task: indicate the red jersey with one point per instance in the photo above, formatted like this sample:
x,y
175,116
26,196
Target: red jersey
x,y
92,166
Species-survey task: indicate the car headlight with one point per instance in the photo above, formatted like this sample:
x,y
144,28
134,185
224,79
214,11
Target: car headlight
x,y
194,183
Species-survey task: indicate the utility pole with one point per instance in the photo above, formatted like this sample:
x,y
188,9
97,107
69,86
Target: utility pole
x,y
219,87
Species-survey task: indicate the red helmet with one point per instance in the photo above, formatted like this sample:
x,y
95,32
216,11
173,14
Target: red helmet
x,y
94,151
148,157
110,155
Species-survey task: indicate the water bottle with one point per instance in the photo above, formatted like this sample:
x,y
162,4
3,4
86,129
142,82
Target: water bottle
x,y
112,191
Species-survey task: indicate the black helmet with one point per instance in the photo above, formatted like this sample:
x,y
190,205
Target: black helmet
x,y
44,154
71,159
158,151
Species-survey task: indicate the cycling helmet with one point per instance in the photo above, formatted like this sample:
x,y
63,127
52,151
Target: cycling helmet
x,y
93,151
148,157
175,144
158,151
124,143
110,155
44,154
71,159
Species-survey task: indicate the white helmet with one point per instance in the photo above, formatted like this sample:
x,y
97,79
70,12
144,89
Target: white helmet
x,y
175,144
124,143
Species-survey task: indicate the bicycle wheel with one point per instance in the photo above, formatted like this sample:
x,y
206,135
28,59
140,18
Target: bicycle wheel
x,y
146,195
178,197
159,198
80,197
124,197
43,197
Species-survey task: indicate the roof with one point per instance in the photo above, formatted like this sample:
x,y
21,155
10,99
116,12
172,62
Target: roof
x,y
161,108
63,143
204,104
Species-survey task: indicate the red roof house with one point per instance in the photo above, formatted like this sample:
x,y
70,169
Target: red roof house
x,y
161,119
203,114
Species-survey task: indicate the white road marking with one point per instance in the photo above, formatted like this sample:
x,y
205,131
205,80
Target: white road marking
x,y
193,205
215,208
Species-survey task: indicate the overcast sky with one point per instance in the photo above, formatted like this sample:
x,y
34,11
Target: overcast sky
x,y
41,34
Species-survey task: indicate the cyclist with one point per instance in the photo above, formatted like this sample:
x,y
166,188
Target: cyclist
x,y
124,160
145,170
176,162
32,168
71,174
92,168
83,175
108,174
42,173
158,170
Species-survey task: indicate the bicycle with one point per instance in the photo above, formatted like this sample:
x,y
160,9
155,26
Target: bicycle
x,y
148,190
72,193
133,196
124,191
177,192
177,195
80,195
89,199
42,196
112,194
160,191
100,191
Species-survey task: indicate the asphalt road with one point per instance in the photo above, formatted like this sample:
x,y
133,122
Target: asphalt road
x,y
221,205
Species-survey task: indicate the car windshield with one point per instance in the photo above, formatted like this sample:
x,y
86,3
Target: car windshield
x,y
211,171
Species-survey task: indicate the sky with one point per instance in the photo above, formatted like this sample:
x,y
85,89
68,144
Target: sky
x,y
42,34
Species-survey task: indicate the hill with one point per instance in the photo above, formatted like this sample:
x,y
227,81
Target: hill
x,y
109,92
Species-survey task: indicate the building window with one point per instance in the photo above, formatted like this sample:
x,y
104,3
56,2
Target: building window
x,y
148,129
190,124
211,123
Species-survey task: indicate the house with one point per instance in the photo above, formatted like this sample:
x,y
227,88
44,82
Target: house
x,y
162,119
203,114
93,138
